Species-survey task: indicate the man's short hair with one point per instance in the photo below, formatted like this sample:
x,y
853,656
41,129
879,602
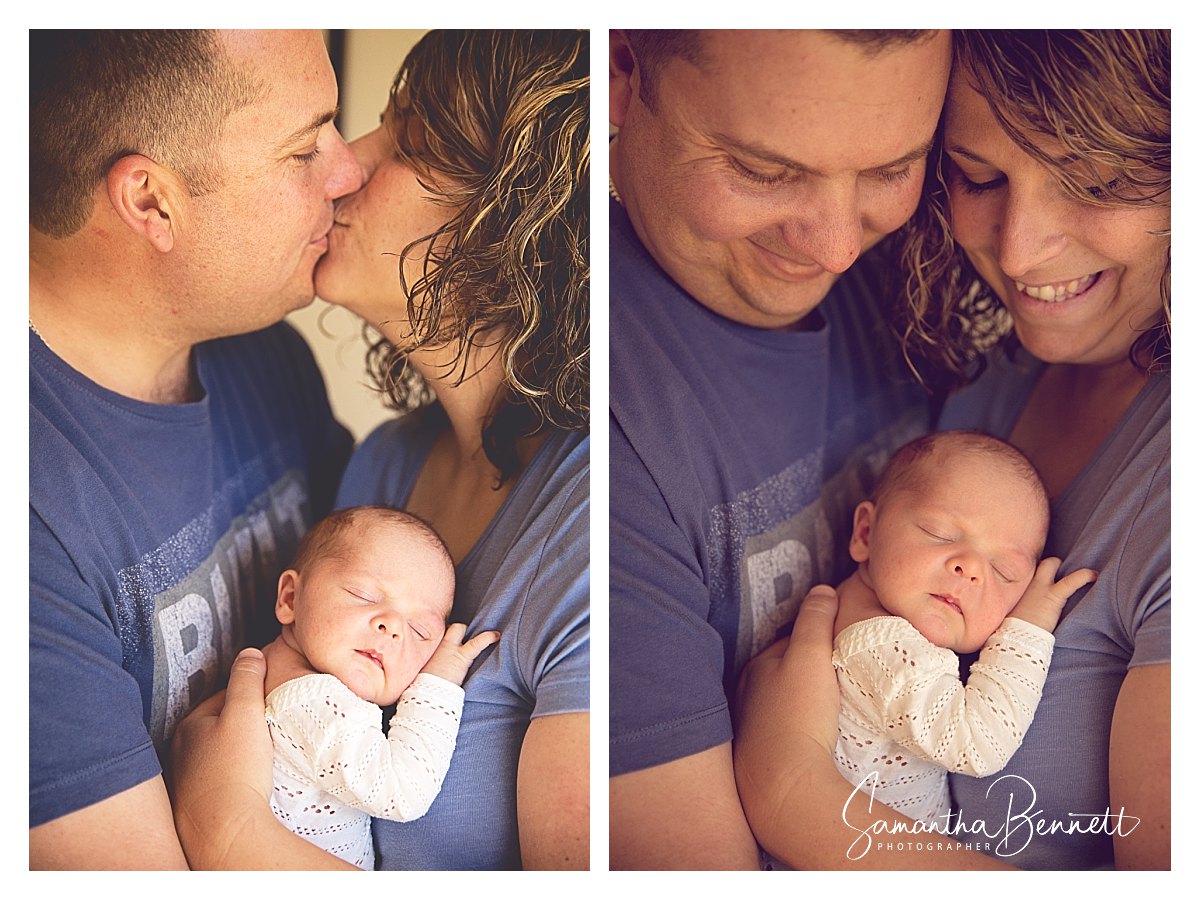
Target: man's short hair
x,y
96,96
654,48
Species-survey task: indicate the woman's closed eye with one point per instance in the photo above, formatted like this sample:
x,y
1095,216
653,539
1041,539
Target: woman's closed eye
x,y
979,187
1105,191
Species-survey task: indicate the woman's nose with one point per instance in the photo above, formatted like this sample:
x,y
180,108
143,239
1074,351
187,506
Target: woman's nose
x,y
366,150
1030,234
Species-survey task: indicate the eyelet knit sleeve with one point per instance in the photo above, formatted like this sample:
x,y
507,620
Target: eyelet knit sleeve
x,y
898,685
326,735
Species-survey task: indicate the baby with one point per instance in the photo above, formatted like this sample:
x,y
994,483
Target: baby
x,y
364,611
948,553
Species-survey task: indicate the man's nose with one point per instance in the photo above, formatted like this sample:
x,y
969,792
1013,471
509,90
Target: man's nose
x,y
346,173
828,230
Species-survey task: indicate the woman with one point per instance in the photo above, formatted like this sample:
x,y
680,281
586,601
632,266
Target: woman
x,y
467,250
1054,179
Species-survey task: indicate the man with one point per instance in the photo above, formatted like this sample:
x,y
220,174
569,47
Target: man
x,y
181,190
754,385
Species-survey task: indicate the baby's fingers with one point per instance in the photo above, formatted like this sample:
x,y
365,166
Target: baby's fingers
x,y
1065,587
479,643
1046,570
1058,591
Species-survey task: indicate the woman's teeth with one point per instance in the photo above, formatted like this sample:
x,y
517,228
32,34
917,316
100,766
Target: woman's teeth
x,y
1058,292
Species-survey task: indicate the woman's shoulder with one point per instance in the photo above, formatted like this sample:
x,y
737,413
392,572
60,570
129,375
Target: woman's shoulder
x,y
555,489
551,495
541,535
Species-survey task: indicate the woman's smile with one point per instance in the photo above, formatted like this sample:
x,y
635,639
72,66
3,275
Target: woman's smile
x,y
1060,291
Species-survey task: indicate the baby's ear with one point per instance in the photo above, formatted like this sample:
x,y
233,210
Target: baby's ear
x,y
860,537
285,600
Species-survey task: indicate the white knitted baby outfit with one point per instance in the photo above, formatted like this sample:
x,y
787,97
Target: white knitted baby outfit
x,y
335,769
907,716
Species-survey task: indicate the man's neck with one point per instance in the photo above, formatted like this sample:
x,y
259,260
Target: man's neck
x,y
105,339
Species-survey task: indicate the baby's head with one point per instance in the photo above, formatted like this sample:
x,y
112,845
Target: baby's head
x,y
367,599
952,535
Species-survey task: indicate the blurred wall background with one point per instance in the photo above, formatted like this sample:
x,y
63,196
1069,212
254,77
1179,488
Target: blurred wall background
x,y
368,63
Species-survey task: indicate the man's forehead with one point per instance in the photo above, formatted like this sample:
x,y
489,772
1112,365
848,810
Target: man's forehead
x,y
780,68
279,61
296,90
725,53
267,45
808,101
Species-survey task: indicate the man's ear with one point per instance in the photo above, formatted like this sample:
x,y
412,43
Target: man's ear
x,y
624,77
860,537
285,599
147,197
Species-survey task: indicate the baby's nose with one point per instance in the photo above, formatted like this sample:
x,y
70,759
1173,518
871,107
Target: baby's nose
x,y
383,628
963,573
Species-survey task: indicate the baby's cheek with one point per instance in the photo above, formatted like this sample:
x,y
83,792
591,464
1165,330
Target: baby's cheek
x,y
937,632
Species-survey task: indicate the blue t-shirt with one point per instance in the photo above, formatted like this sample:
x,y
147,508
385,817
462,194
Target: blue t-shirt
x,y
526,577
1115,518
156,535
737,457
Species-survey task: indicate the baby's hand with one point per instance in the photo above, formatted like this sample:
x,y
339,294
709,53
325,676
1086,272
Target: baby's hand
x,y
453,656
1044,599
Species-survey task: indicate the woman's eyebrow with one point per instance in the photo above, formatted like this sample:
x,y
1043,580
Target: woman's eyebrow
x,y
963,151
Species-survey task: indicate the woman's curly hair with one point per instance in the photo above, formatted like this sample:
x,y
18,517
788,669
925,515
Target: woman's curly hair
x,y
1104,97
496,126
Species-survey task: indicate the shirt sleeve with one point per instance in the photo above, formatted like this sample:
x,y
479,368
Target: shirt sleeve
x,y
1144,574
326,733
908,690
557,611
88,739
667,664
